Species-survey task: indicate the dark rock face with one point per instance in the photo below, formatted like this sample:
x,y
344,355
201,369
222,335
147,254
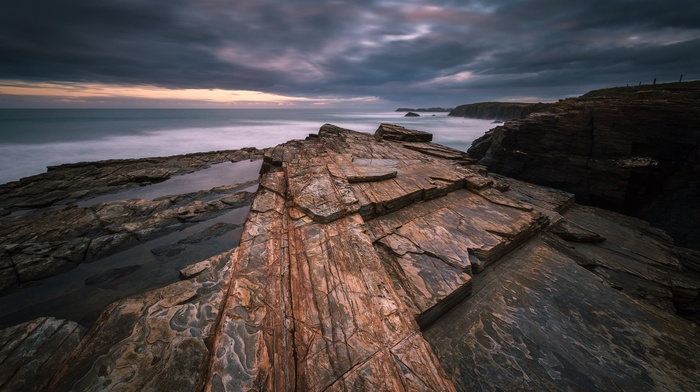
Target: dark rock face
x,y
411,114
496,110
637,153
355,250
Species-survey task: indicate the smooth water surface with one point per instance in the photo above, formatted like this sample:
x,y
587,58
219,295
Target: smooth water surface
x,y
32,139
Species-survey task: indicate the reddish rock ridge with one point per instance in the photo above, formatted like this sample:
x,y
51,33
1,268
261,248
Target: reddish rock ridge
x,y
355,244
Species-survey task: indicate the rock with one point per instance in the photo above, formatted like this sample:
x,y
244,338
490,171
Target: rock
x,y
215,230
399,133
439,277
570,231
540,325
633,150
30,353
411,114
169,250
111,275
496,110
52,242
83,180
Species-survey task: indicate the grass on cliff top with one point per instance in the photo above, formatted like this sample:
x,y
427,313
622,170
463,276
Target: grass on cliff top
x,y
634,90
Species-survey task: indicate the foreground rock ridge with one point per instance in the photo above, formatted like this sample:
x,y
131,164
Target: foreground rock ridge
x,y
354,272
634,150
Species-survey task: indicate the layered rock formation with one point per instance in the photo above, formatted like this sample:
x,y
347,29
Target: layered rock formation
x,y
496,110
51,225
355,251
632,150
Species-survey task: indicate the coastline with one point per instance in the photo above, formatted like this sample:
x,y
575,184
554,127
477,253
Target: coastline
x,y
29,143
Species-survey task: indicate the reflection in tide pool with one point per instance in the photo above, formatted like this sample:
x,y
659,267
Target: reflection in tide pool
x,y
82,293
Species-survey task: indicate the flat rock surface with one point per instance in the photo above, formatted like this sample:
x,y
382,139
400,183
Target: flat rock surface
x,y
544,323
354,272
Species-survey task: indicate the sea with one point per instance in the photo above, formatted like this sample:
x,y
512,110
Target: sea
x,y
32,139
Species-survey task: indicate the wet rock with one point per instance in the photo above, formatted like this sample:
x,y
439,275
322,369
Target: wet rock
x,y
30,353
43,244
169,250
411,114
82,180
111,275
215,230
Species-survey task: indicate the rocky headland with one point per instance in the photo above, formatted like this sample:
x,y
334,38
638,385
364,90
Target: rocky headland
x,y
634,150
377,262
496,110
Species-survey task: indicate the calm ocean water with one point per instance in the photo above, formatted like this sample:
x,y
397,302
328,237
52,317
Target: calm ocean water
x,y
31,139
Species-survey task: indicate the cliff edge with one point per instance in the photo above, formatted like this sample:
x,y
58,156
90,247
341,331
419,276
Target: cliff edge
x,y
634,150
496,110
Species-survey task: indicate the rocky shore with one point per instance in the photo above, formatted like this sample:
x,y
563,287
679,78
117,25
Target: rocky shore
x,y
634,150
55,222
376,262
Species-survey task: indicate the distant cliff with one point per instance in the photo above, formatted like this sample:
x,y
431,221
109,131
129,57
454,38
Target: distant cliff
x,y
634,150
496,110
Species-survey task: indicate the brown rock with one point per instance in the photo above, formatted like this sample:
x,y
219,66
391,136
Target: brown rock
x,y
334,280
399,133
33,351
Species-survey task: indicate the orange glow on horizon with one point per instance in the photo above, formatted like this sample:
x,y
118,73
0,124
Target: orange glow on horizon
x,y
86,91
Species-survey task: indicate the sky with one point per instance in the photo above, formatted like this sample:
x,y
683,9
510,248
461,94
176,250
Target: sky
x,y
362,53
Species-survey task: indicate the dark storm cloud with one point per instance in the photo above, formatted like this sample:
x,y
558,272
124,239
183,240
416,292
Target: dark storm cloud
x,y
444,52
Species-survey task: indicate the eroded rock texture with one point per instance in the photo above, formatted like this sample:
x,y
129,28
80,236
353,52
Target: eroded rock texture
x,y
355,244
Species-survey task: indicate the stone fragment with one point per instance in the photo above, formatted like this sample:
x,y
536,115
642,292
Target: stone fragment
x,y
367,173
570,231
399,133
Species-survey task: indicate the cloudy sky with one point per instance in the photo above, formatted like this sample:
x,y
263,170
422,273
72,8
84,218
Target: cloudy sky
x,y
362,53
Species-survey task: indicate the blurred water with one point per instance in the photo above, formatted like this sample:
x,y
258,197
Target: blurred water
x,y
32,139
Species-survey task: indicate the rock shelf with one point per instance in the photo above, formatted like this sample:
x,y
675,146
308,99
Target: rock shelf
x,y
386,262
